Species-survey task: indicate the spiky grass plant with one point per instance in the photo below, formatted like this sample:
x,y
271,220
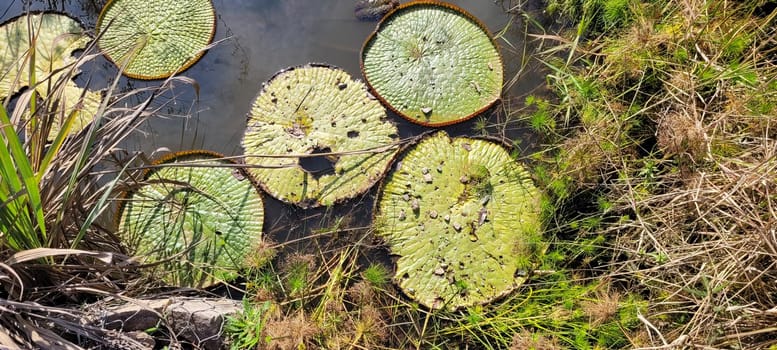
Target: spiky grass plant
x,y
52,199
304,298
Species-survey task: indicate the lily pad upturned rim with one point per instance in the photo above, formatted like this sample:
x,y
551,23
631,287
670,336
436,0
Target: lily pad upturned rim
x,y
376,211
181,69
453,7
46,12
314,202
171,157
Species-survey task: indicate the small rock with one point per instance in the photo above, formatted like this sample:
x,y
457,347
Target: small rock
x,y
426,110
199,321
238,174
433,214
428,178
373,10
483,215
485,200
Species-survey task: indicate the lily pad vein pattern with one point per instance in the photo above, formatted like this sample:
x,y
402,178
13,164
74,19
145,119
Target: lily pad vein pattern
x,y
155,39
317,109
204,215
433,64
462,218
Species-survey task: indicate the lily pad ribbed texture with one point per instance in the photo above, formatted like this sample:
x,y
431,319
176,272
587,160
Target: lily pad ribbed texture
x,y
315,109
206,218
463,219
152,39
433,63
57,37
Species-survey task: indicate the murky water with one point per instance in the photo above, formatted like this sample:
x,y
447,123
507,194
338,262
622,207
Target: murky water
x,y
257,38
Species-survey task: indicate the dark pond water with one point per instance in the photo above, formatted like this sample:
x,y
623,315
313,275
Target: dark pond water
x,y
257,38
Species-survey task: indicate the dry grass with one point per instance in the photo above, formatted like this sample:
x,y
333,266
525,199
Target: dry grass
x,y
526,340
706,252
688,90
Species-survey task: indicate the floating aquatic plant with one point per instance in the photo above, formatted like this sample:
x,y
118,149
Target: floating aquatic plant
x,y
463,219
56,37
317,112
204,217
433,63
152,39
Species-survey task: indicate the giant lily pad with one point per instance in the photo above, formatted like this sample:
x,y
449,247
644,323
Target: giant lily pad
x,y
204,217
433,63
310,110
463,219
152,39
56,38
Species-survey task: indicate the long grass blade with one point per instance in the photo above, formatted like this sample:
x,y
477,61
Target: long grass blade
x,y
99,207
14,163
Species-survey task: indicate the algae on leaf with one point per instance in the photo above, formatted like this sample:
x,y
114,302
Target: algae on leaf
x,y
200,221
56,37
153,39
433,63
462,218
310,110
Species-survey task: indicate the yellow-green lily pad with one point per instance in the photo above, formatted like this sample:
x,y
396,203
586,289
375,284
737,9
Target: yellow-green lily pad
x,y
57,37
155,39
433,63
199,220
463,220
317,111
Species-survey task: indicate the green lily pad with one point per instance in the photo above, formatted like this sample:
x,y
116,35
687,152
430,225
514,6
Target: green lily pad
x,y
462,218
57,37
433,63
310,110
204,219
152,39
